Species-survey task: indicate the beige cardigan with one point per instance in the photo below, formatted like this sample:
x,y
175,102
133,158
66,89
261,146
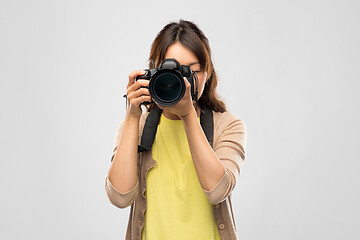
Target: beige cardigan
x,y
229,144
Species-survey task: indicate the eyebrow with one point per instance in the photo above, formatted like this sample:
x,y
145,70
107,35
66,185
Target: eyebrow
x,y
193,63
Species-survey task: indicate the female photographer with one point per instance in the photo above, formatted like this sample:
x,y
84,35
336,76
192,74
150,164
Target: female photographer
x,y
178,183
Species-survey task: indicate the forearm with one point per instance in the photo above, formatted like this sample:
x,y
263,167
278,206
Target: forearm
x,y
123,170
207,164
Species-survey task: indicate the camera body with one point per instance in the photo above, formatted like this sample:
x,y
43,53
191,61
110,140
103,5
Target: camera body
x,y
167,86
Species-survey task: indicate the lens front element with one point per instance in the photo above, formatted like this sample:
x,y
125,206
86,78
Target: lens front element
x,y
167,87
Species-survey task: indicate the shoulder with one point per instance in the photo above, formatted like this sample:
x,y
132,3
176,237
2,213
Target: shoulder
x,y
228,126
223,120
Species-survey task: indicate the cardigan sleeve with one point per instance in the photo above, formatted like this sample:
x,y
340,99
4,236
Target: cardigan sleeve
x,y
230,147
117,198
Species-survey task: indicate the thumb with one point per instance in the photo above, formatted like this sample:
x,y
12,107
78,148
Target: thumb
x,y
187,83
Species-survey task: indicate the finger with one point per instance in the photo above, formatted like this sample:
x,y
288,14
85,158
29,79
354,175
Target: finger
x,y
138,84
138,93
187,83
137,101
135,74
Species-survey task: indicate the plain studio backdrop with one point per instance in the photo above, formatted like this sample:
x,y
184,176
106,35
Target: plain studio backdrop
x,y
288,69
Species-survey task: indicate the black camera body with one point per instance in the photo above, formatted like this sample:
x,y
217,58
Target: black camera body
x,y
167,86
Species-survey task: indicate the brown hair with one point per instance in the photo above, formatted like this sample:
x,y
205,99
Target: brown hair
x,y
189,35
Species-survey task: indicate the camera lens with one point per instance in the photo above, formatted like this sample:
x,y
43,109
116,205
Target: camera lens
x,y
167,87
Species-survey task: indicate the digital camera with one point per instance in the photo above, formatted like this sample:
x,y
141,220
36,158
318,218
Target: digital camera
x,y
167,86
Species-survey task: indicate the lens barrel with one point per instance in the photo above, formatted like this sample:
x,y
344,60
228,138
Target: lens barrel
x,y
167,87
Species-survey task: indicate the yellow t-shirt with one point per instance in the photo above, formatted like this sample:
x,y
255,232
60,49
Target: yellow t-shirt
x,y
177,207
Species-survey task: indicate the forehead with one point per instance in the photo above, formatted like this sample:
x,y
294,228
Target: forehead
x,y
182,54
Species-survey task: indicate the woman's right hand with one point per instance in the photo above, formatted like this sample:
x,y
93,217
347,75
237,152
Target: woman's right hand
x,y
137,93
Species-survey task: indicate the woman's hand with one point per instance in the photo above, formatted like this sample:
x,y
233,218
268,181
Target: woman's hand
x,y
185,106
137,93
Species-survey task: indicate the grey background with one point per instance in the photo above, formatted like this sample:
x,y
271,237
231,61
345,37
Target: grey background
x,y
288,69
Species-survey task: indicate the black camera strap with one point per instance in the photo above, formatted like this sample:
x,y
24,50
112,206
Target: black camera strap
x,y
152,122
196,92
150,128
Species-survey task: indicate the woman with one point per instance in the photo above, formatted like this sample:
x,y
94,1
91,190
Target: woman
x,y
179,187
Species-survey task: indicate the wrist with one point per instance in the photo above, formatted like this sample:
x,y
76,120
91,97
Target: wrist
x,y
132,117
189,114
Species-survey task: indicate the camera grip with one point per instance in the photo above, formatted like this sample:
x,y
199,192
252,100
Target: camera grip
x,y
146,76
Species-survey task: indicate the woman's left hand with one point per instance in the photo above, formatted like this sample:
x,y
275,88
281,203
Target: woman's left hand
x,y
185,106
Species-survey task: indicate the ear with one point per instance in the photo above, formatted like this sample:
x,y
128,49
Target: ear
x,y
207,77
